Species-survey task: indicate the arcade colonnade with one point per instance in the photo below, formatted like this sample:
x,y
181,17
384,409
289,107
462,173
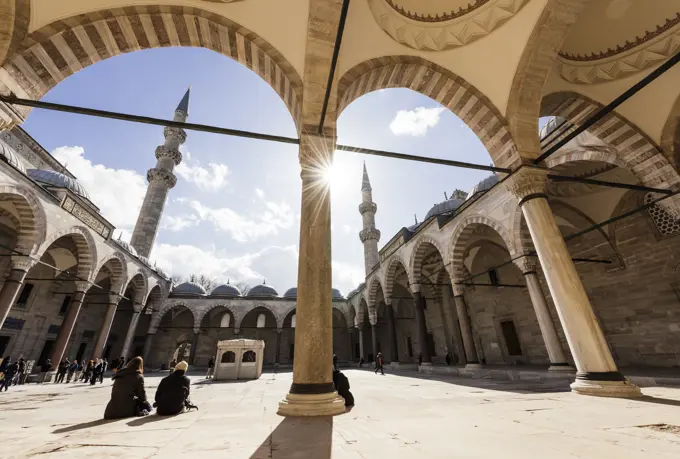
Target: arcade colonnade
x,y
494,64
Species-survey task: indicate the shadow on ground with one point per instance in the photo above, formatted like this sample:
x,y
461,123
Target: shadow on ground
x,y
84,425
298,437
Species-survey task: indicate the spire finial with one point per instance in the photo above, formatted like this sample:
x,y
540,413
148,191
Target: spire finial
x,y
445,196
228,280
416,218
365,182
184,103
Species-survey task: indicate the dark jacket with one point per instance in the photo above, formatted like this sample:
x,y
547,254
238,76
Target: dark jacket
x,y
128,384
172,393
47,366
342,386
11,370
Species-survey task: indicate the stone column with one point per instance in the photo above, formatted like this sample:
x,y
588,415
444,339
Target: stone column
x,y
360,326
558,361
422,327
597,373
69,323
392,331
350,332
374,341
277,359
465,328
312,392
130,336
147,347
13,283
194,346
104,330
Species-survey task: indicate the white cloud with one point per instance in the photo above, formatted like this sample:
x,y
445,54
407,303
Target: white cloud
x,y
212,179
178,223
268,218
415,122
347,228
117,192
346,277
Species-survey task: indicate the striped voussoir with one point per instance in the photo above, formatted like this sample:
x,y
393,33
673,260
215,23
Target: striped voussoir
x,y
156,319
55,51
391,274
85,246
417,256
639,153
152,301
116,266
460,240
30,217
373,285
139,284
441,85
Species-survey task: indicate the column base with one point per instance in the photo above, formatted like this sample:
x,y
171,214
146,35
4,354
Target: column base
x,y
561,367
621,389
328,404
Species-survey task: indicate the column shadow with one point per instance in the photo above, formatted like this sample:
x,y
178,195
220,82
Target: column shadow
x,y
84,425
298,437
657,400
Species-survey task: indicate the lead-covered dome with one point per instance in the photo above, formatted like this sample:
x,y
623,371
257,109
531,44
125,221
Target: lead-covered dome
x,y
8,155
189,288
57,179
226,290
484,185
127,247
450,205
291,293
550,127
337,295
262,291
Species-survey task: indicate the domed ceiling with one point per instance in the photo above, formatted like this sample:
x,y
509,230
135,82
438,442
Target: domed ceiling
x,y
436,25
614,38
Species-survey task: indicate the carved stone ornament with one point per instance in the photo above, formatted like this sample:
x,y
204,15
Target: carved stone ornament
x,y
447,30
175,133
526,264
526,181
23,263
624,60
172,153
161,176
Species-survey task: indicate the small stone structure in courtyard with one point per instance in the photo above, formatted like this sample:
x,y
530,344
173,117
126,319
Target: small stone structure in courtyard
x,y
239,359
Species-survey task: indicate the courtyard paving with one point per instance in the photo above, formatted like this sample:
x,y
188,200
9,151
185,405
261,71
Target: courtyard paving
x,y
397,416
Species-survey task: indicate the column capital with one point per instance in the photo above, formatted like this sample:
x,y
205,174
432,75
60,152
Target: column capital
x,y
83,286
527,182
527,264
458,290
197,330
114,299
316,150
23,263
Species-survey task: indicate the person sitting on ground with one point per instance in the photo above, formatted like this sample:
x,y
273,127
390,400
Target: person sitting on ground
x,y
172,395
128,397
342,387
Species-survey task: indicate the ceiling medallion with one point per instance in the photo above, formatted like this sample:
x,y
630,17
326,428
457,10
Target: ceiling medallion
x,y
444,31
631,57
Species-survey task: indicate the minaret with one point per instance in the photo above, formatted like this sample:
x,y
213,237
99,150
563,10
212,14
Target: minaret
x,y
369,235
161,180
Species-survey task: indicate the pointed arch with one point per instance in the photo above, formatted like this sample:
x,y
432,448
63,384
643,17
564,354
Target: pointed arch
x,y
86,248
116,264
52,53
391,274
373,286
417,256
202,315
156,319
31,216
141,286
441,85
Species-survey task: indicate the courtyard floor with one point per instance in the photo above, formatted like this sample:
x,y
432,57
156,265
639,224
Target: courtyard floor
x,y
397,416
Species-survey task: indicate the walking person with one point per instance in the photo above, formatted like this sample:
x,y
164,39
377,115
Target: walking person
x,y
128,397
71,370
379,364
105,365
88,371
61,370
211,368
21,373
44,369
9,372
4,364
335,361
98,365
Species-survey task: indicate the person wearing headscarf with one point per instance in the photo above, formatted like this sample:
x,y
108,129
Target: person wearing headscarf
x,y
172,395
128,397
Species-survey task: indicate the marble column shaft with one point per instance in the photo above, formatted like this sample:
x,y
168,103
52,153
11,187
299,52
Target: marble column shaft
x,y
103,333
374,341
362,355
10,291
147,347
194,346
277,359
392,329
466,329
421,325
130,336
67,325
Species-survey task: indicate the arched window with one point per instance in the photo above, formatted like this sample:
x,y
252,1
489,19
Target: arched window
x,y
228,357
248,357
261,320
226,320
292,321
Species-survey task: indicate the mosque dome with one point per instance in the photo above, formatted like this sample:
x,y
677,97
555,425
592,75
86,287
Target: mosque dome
x,y
484,185
144,260
262,291
161,273
57,179
550,126
450,205
291,293
189,288
127,247
226,290
337,295
8,155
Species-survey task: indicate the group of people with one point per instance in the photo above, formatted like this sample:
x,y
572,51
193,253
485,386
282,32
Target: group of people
x,y
11,373
82,371
128,396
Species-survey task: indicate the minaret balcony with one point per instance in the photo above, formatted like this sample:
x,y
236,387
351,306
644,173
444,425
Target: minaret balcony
x,y
369,234
367,207
175,133
161,176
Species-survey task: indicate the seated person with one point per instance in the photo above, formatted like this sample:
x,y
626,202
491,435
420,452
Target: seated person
x,y
128,397
342,386
172,395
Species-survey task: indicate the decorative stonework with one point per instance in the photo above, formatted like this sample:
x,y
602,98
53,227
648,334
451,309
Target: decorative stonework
x,y
175,133
164,152
445,31
633,56
526,264
526,181
161,176
369,234
23,263
78,211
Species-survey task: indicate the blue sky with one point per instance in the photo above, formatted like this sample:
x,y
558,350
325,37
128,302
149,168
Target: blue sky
x,y
234,213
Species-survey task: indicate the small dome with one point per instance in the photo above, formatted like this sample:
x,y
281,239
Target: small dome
x,y
144,260
550,126
57,179
361,286
225,290
8,155
337,295
188,288
291,293
449,205
127,247
262,291
484,185
161,273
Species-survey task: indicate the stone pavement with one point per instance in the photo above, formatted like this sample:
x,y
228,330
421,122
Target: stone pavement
x,y
397,416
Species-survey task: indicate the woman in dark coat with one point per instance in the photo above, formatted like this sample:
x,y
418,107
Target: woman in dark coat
x,y
128,397
172,395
